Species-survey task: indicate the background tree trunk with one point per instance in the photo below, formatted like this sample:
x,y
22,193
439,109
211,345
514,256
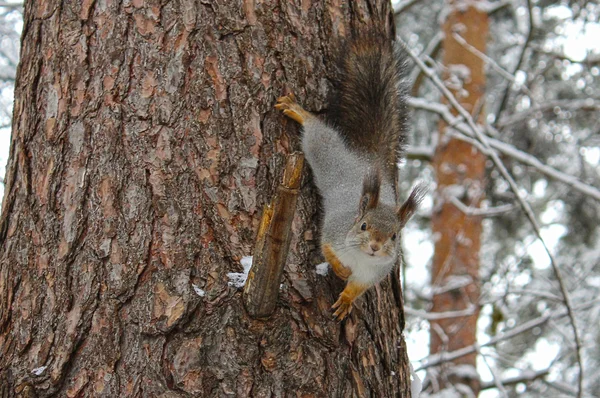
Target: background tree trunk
x,y
460,173
144,146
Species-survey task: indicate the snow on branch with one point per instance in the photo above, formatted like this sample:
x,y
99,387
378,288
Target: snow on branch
x,y
525,376
585,104
476,132
438,359
462,132
435,316
477,212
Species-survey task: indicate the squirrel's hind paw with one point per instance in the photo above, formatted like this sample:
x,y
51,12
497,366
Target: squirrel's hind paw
x,y
351,292
291,109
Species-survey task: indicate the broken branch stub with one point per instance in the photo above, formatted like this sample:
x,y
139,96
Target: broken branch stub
x,y
272,243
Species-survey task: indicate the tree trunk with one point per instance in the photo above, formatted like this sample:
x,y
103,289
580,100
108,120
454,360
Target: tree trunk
x,y
144,147
460,171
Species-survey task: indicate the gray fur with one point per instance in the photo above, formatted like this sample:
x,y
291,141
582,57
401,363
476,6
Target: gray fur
x,y
339,173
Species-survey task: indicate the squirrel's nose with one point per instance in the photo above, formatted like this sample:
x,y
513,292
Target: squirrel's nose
x,y
375,247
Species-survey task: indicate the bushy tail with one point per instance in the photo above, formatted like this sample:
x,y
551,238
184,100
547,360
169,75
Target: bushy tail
x,y
369,105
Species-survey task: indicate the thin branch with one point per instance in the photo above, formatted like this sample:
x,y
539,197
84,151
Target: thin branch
x,y
431,51
589,60
434,316
462,132
585,104
497,382
519,62
495,7
489,61
438,359
478,134
526,376
479,212
420,153
501,71
535,293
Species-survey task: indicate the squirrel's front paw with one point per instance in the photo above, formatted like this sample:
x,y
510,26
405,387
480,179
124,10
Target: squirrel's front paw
x,y
291,109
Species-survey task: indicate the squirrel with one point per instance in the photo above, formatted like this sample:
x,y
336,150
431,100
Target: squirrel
x,y
362,141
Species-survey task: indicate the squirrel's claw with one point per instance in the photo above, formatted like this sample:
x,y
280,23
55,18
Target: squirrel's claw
x,y
287,99
343,305
343,309
291,109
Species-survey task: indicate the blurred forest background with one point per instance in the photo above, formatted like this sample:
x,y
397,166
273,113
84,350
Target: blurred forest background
x,y
541,115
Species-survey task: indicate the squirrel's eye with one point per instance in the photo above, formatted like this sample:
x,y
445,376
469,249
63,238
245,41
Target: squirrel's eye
x,y
394,237
363,227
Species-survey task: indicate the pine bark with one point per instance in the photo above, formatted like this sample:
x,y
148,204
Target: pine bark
x,y
460,172
144,147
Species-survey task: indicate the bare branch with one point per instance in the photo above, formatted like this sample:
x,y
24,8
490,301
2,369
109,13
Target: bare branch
x,y
495,7
585,104
478,212
589,60
462,132
526,376
416,76
563,388
519,62
438,359
496,382
479,136
434,316
420,153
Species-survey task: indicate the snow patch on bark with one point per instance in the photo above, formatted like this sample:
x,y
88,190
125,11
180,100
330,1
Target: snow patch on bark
x,y
198,291
322,269
39,371
238,279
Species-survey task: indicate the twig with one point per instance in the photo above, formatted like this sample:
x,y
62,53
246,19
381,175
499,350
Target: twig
x,y
497,382
478,134
524,377
489,61
495,7
519,62
433,47
420,153
589,60
272,243
586,104
434,316
477,212
563,388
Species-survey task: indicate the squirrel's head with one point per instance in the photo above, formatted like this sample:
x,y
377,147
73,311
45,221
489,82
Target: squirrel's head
x,y
378,225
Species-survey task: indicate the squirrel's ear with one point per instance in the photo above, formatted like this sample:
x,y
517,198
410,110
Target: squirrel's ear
x,y
410,206
370,192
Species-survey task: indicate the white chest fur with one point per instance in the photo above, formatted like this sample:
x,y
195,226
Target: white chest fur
x,y
366,269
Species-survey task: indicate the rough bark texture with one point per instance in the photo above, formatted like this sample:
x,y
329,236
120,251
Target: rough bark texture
x,y
144,146
460,171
